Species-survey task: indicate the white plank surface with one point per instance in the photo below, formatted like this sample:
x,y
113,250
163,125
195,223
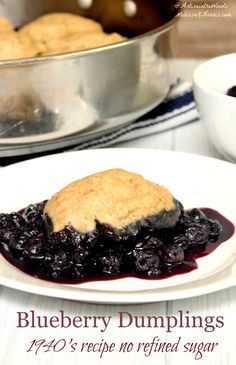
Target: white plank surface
x,y
14,341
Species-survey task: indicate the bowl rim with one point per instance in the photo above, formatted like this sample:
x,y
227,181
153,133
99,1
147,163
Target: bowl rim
x,y
71,55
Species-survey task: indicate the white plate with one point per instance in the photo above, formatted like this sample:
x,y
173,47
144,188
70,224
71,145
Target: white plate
x,y
194,180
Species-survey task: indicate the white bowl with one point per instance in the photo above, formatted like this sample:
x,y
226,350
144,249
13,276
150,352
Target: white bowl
x,y
211,81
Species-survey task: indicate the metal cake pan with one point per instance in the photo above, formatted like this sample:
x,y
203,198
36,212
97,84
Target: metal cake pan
x,y
55,101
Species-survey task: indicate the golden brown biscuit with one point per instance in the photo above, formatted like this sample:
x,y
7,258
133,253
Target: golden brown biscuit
x,y
14,45
5,24
56,25
20,107
81,41
115,197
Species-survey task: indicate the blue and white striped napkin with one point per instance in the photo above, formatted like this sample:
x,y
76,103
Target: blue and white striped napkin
x,y
176,110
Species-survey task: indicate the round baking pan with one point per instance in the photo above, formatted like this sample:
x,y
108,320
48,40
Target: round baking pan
x,y
56,101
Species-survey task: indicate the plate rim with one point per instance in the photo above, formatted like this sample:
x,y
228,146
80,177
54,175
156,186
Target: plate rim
x,y
119,297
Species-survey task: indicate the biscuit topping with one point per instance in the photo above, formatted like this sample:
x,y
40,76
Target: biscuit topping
x,y
14,45
5,25
115,197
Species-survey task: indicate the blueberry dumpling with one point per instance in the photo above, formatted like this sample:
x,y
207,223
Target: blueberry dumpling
x,y
111,224
114,197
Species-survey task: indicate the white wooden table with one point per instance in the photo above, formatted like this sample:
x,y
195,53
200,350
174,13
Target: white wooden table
x,y
14,342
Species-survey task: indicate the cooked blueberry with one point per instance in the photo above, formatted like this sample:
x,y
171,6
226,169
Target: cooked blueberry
x,y
18,241
6,234
17,220
33,254
91,238
110,262
172,255
79,272
7,227
196,215
205,224
196,234
232,91
181,240
145,255
153,242
154,272
87,240
55,275
56,260
142,248
79,256
63,239
215,229
34,245
33,215
5,221
32,232
187,220
145,260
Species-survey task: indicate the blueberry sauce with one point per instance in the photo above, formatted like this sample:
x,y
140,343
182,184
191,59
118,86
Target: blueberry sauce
x,y
232,91
28,242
